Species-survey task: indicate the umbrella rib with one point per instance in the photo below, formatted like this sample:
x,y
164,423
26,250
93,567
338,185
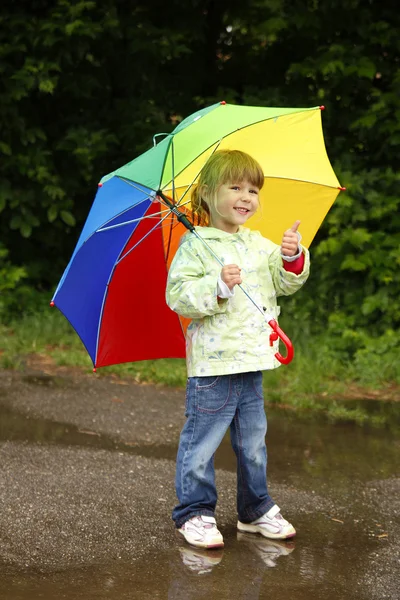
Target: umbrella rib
x,y
170,236
125,210
173,198
145,199
165,160
179,203
332,187
142,239
173,168
152,216
132,184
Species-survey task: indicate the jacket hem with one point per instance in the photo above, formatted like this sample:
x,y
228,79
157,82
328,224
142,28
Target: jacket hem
x,y
205,370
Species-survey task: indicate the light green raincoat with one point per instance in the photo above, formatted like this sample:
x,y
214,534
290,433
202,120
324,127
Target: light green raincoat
x,y
229,336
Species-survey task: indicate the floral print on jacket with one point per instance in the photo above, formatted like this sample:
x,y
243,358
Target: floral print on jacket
x,y
229,336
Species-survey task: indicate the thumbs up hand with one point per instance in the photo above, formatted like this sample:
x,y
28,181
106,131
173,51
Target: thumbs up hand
x,y
290,240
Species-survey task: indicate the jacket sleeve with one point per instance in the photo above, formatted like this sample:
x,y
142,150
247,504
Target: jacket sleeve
x,y
191,292
286,282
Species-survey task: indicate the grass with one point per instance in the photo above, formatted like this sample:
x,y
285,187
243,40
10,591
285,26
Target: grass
x,y
316,383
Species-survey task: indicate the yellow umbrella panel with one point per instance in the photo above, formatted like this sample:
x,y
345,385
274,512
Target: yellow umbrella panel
x,y
299,180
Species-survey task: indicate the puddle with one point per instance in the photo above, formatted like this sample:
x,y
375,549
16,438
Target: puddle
x,y
44,379
249,568
15,426
326,560
338,453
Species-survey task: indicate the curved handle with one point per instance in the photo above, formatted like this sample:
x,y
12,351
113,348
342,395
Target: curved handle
x,y
278,333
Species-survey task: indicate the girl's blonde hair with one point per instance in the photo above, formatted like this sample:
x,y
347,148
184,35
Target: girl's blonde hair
x,y
224,166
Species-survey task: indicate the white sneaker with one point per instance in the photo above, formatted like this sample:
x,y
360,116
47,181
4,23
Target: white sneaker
x,y
202,531
271,525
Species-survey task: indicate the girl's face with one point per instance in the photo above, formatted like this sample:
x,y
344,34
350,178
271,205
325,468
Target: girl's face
x,y
234,204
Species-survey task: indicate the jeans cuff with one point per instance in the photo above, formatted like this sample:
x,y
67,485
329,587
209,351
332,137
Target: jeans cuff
x,y
197,513
264,508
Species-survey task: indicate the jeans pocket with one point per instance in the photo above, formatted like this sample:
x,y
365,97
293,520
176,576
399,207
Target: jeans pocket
x,y
258,384
212,393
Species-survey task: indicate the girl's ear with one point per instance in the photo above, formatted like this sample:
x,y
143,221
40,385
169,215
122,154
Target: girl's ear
x,y
203,191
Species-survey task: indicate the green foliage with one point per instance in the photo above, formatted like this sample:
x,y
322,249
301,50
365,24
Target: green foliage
x,y
10,278
378,360
85,85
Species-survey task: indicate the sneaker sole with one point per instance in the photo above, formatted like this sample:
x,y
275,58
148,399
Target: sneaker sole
x,y
209,546
257,529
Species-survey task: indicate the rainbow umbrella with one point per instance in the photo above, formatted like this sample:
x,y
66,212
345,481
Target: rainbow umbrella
x,y
113,289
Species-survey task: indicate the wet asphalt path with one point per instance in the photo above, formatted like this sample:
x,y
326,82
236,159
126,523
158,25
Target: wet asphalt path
x,y
86,490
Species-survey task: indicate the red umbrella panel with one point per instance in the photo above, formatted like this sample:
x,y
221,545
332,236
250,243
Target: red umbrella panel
x,y
113,290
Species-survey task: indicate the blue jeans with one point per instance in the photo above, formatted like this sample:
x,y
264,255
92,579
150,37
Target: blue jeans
x,y
212,405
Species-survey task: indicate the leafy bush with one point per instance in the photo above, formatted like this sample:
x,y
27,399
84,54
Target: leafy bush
x,y
86,85
10,278
379,360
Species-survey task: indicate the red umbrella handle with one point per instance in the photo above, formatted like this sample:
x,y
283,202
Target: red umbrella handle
x,y
278,333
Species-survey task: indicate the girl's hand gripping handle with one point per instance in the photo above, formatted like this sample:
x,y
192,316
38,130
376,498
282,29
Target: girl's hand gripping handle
x,y
278,333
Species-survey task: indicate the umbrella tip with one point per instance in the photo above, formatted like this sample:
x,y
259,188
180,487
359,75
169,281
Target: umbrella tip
x,y
52,303
342,189
223,102
94,370
322,108
99,185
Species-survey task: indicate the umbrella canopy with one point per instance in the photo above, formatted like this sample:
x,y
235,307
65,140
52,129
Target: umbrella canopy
x,y
113,290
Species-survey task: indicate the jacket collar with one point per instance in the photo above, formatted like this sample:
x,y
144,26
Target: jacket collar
x,y
211,233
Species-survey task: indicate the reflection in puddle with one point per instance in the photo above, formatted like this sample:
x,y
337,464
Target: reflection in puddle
x,y
319,564
200,561
268,550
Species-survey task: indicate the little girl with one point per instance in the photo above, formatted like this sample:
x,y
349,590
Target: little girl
x,y
227,346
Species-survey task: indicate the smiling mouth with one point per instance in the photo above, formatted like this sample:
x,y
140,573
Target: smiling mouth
x,y
242,211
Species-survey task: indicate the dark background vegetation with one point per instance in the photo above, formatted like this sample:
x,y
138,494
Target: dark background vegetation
x,y
85,85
